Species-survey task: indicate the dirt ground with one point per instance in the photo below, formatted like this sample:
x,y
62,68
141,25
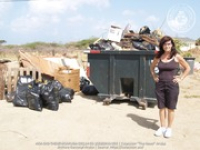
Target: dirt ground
x,y
87,124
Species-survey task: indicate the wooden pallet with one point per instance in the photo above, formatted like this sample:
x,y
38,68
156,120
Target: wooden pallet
x,y
12,76
2,84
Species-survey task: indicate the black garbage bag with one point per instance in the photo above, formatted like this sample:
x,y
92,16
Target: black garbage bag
x,y
148,45
22,88
89,90
50,94
144,30
95,46
10,96
66,94
33,97
102,45
105,45
83,82
56,85
139,45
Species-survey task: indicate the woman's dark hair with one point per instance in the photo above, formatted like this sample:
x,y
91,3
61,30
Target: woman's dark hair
x,y
162,42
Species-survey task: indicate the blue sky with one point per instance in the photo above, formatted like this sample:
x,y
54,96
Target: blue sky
x,y
63,21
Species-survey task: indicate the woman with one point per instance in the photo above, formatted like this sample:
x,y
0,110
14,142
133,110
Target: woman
x,y
167,88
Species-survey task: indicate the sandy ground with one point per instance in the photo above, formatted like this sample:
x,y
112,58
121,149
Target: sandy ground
x,y
88,124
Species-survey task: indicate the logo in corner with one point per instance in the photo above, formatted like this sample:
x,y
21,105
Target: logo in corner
x,y
181,18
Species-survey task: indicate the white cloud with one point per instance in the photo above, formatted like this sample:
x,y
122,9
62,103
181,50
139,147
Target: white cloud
x,y
26,24
4,8
55,32
97,3
142,12
128,13
139,12
55,19
46,12
152,18
77,18
31,23
132,25
48,7
60,6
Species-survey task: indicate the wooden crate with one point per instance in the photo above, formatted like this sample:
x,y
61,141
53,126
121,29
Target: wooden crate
x,y
12,78
3,69
69,78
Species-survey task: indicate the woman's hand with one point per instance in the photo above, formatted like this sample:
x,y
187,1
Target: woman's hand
x,y
177,79
156,79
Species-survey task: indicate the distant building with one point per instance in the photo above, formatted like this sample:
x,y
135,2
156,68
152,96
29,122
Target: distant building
x,y
187,44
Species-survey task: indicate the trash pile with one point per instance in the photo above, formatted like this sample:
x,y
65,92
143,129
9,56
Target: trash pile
x,y
67,71
86,87
37,95
36,82
127,39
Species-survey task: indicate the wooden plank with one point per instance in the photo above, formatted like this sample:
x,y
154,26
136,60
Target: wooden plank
x,y
21,71
4,83
34,72
1,85
15,79
12,76
39,76
9,80
27,71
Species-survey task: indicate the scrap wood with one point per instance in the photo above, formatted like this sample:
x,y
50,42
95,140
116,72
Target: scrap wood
x,y
149,39
42,65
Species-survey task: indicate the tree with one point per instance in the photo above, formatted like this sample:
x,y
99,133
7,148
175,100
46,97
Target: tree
x,y
197,42
2,42
178,44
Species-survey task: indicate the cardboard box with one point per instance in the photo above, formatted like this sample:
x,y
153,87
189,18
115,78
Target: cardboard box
x,y
44,66
69,78
115,34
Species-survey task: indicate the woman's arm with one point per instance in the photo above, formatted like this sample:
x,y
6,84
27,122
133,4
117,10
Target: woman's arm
x,y
152,67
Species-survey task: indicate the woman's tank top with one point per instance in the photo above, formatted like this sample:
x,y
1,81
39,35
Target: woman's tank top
x,y
167,70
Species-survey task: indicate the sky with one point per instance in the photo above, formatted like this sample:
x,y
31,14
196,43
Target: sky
x,y
62,21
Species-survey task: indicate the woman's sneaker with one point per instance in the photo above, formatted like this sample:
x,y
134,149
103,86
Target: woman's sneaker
x,y
168,133
160,131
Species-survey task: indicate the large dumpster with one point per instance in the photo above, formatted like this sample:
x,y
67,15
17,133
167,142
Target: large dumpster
x,y
122,74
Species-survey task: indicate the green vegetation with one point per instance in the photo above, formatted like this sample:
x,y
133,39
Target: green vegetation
x,y
10,46
178,44
35,45
83,44
186,54
44,48
198,42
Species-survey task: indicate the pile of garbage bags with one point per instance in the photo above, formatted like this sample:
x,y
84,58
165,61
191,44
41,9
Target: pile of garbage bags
x,y
37,95
143,40
86,88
